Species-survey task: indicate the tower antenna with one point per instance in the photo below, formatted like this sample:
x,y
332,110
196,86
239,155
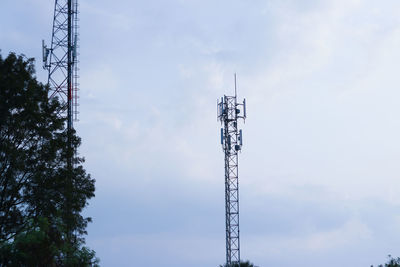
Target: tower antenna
x,y
235,86
228,112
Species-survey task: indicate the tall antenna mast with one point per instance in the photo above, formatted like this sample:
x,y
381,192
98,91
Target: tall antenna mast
x,y
62,64
228,112
61,59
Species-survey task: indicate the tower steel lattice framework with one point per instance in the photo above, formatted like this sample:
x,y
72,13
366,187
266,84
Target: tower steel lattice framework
x,y
229,111
61,61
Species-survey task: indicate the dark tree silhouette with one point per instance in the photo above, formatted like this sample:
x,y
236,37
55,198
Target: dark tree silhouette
x,y
391,263
242,264
40,204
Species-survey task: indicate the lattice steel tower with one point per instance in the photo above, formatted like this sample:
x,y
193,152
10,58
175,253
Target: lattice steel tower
x,y
61,59
228,112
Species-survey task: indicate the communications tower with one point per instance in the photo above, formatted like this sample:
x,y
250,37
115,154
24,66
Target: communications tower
x,y
61,61
229,111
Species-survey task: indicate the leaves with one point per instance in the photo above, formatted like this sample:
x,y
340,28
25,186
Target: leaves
x,y
242,264
40,197
391,263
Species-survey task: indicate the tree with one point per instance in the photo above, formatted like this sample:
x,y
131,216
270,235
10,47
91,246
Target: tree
x,y
391,263
242,264
41,198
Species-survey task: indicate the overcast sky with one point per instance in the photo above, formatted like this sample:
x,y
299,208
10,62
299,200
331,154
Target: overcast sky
x,y
319,170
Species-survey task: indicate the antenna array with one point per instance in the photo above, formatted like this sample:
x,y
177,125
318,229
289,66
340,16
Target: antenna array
x,y
228,112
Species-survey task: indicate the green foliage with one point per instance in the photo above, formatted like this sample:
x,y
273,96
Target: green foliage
x,y
391,263
41,198
242,264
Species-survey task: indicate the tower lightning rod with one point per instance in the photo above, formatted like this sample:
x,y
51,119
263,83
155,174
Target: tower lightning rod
x,y
229,111
235,86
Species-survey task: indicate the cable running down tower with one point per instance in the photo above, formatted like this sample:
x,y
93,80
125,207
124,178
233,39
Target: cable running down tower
x,y
228,112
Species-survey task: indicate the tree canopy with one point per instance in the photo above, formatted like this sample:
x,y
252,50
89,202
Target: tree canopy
x,y
41,198
392,262
242,264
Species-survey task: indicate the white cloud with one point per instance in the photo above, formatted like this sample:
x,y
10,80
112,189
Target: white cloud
x,y
320,79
